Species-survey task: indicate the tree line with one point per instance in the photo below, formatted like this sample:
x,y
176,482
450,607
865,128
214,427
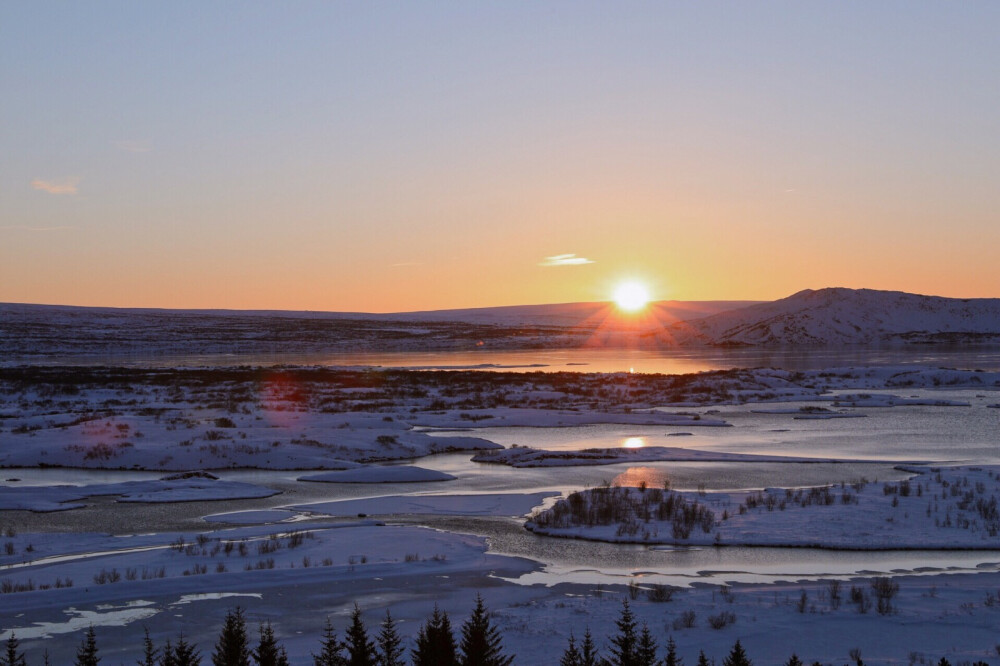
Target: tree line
x,y
479,644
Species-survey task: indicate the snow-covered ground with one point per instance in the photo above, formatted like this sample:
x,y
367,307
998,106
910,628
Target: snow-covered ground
x,y
53,588
487,504
946,507
326,419
287,561
380,474
295,578
182,489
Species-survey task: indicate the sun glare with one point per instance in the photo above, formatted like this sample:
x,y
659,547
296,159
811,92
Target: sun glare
x,y
634,442
631,296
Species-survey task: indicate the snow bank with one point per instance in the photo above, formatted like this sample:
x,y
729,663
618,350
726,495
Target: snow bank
x,y
493,504
380,474
942,508
63,498
251,517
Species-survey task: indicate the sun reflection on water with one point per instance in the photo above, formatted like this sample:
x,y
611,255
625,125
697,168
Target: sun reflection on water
x,y
634,477
634,442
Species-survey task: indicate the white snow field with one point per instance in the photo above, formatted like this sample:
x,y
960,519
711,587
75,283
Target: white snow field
x,y
190,489
301,524
380,474
941,507
317,418
489,504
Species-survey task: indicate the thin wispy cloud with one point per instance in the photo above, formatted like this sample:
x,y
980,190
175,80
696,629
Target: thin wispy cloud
x,y
403,264
565,260
24,227
132,146
67,186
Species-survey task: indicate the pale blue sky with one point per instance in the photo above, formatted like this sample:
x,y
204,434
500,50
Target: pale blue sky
x,y
385,156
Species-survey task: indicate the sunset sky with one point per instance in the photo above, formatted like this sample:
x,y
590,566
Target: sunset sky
x,y
408,156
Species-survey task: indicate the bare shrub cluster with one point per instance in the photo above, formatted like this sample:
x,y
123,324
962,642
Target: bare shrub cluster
x,y
630,509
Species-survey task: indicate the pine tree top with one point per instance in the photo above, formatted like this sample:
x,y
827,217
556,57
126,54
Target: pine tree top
x,y
481,642
86,654
571,655
12,657
332,649
360,649
737,656
233,648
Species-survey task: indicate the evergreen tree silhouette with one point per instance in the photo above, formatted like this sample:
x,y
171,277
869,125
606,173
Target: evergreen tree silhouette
x,y
167,659
793,660
571,656
233,647
86,654
481,641
390,645
149,651
737,657
331,649
11,656
436,642
269,652
360,650
672,659
588,651
646,651
625,644
702,659
185,654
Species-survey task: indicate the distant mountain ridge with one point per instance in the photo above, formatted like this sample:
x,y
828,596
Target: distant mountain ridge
x,y
31,332
838,316
556,314
833,317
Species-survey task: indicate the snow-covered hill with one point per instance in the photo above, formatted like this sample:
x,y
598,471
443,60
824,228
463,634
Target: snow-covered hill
x,y
838,316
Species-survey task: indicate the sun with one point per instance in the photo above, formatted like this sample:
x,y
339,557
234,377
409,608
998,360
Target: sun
x,y
631,296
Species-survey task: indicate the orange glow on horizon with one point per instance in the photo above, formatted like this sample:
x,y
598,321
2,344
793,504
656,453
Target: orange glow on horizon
x,y
650,327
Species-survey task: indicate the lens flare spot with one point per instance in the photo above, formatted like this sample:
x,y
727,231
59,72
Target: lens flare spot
x,y
283,399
